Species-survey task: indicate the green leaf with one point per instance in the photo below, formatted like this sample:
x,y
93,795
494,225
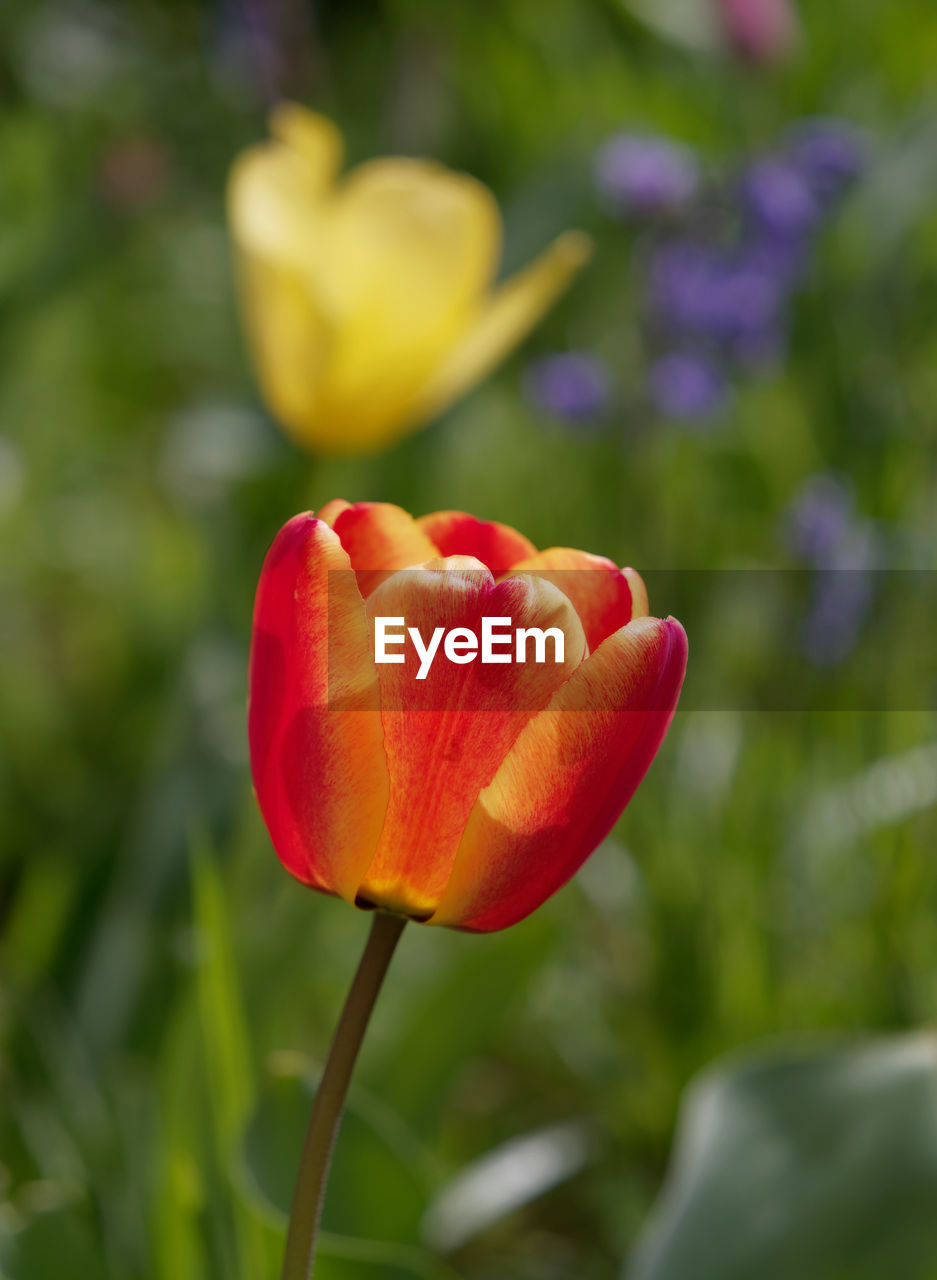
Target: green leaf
x,y
504,1180
819,1165
372,1187
53,1244
226,1044
685,22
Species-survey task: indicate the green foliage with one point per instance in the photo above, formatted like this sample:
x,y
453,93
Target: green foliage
x,y
819,1163
167,993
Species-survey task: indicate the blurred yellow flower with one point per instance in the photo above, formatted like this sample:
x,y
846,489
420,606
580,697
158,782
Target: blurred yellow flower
x,y
367,301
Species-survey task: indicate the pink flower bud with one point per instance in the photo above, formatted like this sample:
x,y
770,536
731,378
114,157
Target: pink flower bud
x,y
760,31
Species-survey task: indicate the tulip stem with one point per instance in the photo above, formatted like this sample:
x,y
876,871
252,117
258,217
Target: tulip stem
x,y
306,1209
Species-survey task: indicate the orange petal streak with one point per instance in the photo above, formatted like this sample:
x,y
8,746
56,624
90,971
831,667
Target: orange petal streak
x,y
567,779
379,538
456,533
446,735
600,592
320,773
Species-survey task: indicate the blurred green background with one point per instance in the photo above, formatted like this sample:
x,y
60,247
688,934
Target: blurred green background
x,y
166,991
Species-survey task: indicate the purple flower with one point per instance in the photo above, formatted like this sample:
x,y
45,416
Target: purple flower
x,y
841,602
686,385
820,520
646,176
831,154
760,350
778,198
725,297
573,386
823,529
678,286
783,258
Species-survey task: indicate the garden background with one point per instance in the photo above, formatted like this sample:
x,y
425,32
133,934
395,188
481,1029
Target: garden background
x,y
769,900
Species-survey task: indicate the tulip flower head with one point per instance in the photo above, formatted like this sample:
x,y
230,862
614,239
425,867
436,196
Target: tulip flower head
x,y
367,299
445,722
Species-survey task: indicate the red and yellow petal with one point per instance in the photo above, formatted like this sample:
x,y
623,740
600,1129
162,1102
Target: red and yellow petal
x,y
332,510
602,594
379,538
316,741
567,778
639,604
446,735
456,533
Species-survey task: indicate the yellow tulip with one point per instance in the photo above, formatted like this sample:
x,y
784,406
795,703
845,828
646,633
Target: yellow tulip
x,y
368,299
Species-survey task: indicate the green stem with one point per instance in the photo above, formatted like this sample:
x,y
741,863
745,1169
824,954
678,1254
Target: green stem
x,y
326,1116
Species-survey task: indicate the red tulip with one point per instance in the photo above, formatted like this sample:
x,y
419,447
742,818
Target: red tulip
x,y
454,788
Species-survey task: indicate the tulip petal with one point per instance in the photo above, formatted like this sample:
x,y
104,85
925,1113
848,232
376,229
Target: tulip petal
x,y
639,604
411,239
567,778
504,321
332,510
289,342
446,735
312,136
276,207
380,538
456,533
600,592
412,247
275,203
319,768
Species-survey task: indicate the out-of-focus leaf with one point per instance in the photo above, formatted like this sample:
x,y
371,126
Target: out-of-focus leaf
x,y
371,1189
373,1202
226,1040
459,1015
686,22
178,1250
503,1180
347,1258
820,1165
226,1043
39,916
52,1244
899,191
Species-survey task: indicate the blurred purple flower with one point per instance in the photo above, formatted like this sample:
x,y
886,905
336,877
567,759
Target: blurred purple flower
x,y
778,198
822,528
686,385
726,297
819,519
783,258
760,350
831,154
646,176
572,386
719,284
678,286
840,605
